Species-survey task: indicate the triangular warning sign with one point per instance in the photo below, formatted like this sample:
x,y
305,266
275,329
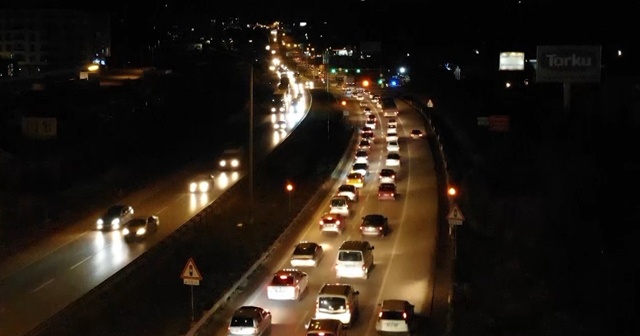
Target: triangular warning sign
x,y
190,271
430,104
455,213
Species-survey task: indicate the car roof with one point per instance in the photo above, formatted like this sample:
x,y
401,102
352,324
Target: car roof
x,y
374,217
323,324
345,187
247,311
387,171
335,289
353,175
395,305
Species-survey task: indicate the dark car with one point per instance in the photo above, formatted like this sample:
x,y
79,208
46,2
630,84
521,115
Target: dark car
x,y
387,191
374,225
140,228
115,217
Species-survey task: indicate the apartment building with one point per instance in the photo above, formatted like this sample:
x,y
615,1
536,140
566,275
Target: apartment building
x,y
35,42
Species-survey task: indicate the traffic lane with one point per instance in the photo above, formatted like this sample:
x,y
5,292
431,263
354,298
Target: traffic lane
x,y
166,198
290,317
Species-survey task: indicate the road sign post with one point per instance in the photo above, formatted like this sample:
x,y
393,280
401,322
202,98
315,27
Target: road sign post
x,y
191,276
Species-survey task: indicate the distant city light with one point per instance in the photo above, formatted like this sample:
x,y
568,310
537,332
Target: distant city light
x,y
402,70
303,24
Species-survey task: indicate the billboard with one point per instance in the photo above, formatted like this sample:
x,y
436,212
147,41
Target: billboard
x,y
568,64
511,61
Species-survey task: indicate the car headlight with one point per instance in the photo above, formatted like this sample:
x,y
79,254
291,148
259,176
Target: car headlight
x,y
223,163
235,163
125,231
204,186
115,221
273,109
276,126
99,222
193,187
141,231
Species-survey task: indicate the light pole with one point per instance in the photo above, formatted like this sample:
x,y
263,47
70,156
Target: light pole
x,y
289,190
251,145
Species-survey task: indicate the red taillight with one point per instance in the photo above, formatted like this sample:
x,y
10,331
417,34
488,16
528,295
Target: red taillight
x,y
380,314
337,222
321,222
361,228
380,228
404,316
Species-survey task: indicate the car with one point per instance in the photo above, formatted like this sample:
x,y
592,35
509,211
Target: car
x,y
325,327
306,254
362,156
250,320
372,117
375,98
362,168
374,225
339,205
367,111
392,122
370,123
360,96
392,129
416,134
366,130
392,160
201,184
140,227
337,301
364,144
392,137
350,191
387,175
387,191
280,125
287,284
115,217
355,179
367,136
395,316
231,159
332,223
393,146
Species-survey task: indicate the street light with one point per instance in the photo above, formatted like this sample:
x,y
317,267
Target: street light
x,y
289,190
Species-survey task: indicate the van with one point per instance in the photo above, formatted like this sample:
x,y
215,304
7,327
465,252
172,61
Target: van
x,y
354,260
338,302
325,327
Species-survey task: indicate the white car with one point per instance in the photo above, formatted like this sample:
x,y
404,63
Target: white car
x,y
231,159
361,168
370,123
250,320
367,111
392,160
387,176
395,316
348,190
287,284
392,137
392,129
339,205
392,122
393,146
306,254
362,156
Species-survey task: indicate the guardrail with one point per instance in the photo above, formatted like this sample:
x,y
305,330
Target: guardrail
x,y
302,216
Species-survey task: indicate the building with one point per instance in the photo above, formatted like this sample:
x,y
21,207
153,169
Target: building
x,y
36,42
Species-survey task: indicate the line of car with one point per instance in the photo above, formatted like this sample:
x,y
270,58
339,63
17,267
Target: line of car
x,y
337,306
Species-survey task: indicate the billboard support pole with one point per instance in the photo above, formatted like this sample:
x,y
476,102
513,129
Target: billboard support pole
x,y
566,87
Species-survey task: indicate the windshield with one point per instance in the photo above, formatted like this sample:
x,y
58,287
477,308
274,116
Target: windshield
x,y
114,212
350,256
241,322
331,303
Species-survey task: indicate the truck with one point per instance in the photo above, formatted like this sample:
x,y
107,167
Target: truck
x,y
389,108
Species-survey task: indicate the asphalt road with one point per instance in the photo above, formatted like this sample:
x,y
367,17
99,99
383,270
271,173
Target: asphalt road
x,y
405,259
54,272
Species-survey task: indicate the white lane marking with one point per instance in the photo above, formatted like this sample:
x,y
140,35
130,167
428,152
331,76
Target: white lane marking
x,y
303,321
42,286
80,262
371,323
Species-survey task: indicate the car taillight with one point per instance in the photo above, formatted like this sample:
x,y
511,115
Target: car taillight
x,y
380,228
361,227
404,316
380,314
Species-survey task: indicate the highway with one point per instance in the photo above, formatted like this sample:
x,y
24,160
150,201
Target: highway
x,y
52,273
404,260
